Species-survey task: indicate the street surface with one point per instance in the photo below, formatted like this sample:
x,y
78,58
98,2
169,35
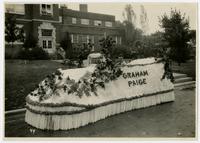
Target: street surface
x,y
174,119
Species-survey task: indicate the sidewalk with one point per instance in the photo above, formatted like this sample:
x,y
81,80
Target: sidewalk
x,y
174,119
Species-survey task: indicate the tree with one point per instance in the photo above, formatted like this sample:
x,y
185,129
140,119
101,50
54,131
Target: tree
x,y
12,32
107,45
84,52
129,14
144,19
154,44
129,24
66,44
176,33
31,51
192,44
30,42
122,51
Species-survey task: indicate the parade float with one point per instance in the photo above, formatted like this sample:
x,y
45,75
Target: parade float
x,y
72,98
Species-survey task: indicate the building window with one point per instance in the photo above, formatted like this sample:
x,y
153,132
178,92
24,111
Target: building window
x,y
47,32
85,21
15,8
116,40
84,38
46,9
49,44
46,44
97,23
47,41
120,40
74,20
60,18
88,39
108,24
47,36
74,38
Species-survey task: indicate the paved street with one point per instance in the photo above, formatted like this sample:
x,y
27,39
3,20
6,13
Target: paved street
x,y
174,119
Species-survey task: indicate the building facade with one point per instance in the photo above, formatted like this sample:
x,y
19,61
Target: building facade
x,y
48,23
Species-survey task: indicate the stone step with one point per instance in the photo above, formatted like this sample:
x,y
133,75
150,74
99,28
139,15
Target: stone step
x,y
185,84
178,75
181,80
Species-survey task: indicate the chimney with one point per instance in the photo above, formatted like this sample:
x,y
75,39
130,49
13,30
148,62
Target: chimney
x,y
83,8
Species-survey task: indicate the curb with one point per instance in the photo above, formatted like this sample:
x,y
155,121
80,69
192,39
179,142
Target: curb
x,y
17,111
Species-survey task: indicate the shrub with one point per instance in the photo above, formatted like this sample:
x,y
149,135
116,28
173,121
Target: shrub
x,y
122,51
31,51
67,45
36,53
107,45
12,52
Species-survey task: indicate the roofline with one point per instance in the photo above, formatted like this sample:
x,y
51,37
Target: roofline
x,y
76,11
91,12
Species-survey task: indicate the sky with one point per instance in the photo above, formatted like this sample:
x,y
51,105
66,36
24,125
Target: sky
x,y
154,11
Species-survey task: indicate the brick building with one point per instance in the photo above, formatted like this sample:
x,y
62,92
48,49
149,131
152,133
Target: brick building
x,y
49,22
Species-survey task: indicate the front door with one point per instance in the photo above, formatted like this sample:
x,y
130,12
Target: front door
x,y
47,39
47,44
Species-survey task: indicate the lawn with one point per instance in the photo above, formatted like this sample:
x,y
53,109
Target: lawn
x,y
188,68
21,79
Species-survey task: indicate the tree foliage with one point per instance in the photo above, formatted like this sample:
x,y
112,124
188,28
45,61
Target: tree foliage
x,y
154,44
144,20
30,41
66,44
129,14
176,33
122,51
12,32
31,51
83,53
129,24
107,46
113,51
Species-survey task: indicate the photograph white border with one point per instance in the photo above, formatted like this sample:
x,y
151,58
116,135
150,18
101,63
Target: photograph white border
x,y
80,140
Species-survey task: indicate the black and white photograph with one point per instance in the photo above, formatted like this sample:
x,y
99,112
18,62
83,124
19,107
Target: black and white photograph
x,y
100,70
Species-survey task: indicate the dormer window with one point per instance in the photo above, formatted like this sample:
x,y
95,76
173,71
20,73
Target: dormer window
x,y
46,9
